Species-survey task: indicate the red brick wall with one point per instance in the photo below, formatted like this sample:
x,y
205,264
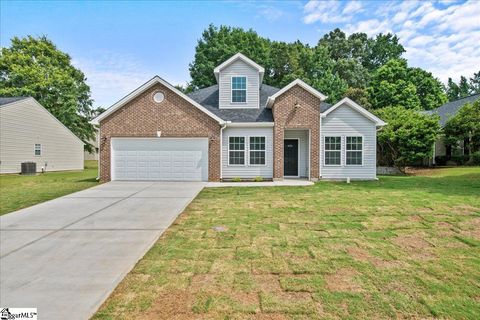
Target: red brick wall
x,y
305,116
174,117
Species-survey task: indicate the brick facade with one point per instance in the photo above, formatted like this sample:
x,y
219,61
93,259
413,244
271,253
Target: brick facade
x,y
174,117
296,109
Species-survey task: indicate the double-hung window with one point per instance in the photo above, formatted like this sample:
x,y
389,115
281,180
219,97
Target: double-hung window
x,y
257,150
354,151
37,149
236,150
333,151
239,89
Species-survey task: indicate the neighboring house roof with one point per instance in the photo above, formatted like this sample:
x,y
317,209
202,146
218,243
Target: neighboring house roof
x,y
300,83
208,98
347,101
450,109
8,100
144,87
245,59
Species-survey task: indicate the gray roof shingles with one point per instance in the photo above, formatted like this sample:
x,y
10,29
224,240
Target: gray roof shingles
x,y
7,100
449,109
208,98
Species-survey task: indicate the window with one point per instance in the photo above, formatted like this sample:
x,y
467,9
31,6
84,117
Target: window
x,y
38,149
158,97
354,151
333,147
257,150
239,89
236,150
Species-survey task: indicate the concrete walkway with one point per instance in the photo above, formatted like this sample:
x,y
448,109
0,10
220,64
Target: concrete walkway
x,y
65,256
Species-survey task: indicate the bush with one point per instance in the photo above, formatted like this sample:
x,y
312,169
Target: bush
x,y
474,159
236,179
258,179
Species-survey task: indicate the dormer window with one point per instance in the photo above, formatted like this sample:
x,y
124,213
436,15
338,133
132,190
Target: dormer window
x,y
239,89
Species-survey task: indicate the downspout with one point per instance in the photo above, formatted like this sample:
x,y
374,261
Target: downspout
x,y
221,148
98,144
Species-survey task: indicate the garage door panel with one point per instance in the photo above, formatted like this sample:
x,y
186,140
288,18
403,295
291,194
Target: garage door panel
x,y
160,159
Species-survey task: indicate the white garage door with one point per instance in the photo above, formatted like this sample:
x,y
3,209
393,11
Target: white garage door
x,y
164,159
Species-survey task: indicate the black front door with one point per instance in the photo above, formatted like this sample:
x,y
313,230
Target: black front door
x,y
290,157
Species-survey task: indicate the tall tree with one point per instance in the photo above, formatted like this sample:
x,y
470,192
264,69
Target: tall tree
x,y
383,48
452,90
475,83
429,89
35,67
220,43
390,86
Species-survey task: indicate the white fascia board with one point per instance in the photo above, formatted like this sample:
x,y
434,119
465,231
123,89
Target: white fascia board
x,y
250,124
245,59
302,84
379,122
144,87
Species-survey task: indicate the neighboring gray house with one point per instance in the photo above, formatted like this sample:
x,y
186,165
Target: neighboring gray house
x,y
237,128
29,133
445,112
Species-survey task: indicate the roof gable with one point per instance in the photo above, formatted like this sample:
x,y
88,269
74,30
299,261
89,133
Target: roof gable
x,y
17,102
296,82
243,58
352,104
142,89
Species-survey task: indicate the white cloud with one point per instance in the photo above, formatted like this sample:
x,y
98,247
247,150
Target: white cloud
x,y
351,7
111,76
441,37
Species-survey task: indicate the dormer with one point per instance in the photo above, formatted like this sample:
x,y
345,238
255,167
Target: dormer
x,y
239,80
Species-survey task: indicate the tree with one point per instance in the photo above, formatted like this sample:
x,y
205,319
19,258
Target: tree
x,y
383,48
408,136
390,86
452,90
475,83
358,95
35,67
465,126
219,44
429,89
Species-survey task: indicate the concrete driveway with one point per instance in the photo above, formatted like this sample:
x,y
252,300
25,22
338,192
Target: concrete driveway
x,y
65,256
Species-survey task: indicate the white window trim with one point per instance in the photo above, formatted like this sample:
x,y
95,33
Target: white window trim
x,y
264,150
244,151
363,151
298,157
231,90
35,149
325,151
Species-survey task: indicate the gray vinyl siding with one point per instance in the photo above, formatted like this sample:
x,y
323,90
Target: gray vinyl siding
x,y
238,68
345,121
302,135
24,124
248,171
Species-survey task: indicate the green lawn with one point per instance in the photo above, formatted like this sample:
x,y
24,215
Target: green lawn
x,y
401,247
17,191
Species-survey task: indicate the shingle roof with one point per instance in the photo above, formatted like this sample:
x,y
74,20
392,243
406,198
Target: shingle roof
x,y
7,100
449,109
208,98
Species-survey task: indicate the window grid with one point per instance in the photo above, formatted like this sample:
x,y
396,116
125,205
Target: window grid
x,y
257,150
354,151
236,153
333,147
239,89
38,149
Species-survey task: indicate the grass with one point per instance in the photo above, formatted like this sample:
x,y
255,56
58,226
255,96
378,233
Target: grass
x,y
401,247
17,191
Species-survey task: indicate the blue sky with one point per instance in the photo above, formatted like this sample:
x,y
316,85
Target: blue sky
x,y
120,45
